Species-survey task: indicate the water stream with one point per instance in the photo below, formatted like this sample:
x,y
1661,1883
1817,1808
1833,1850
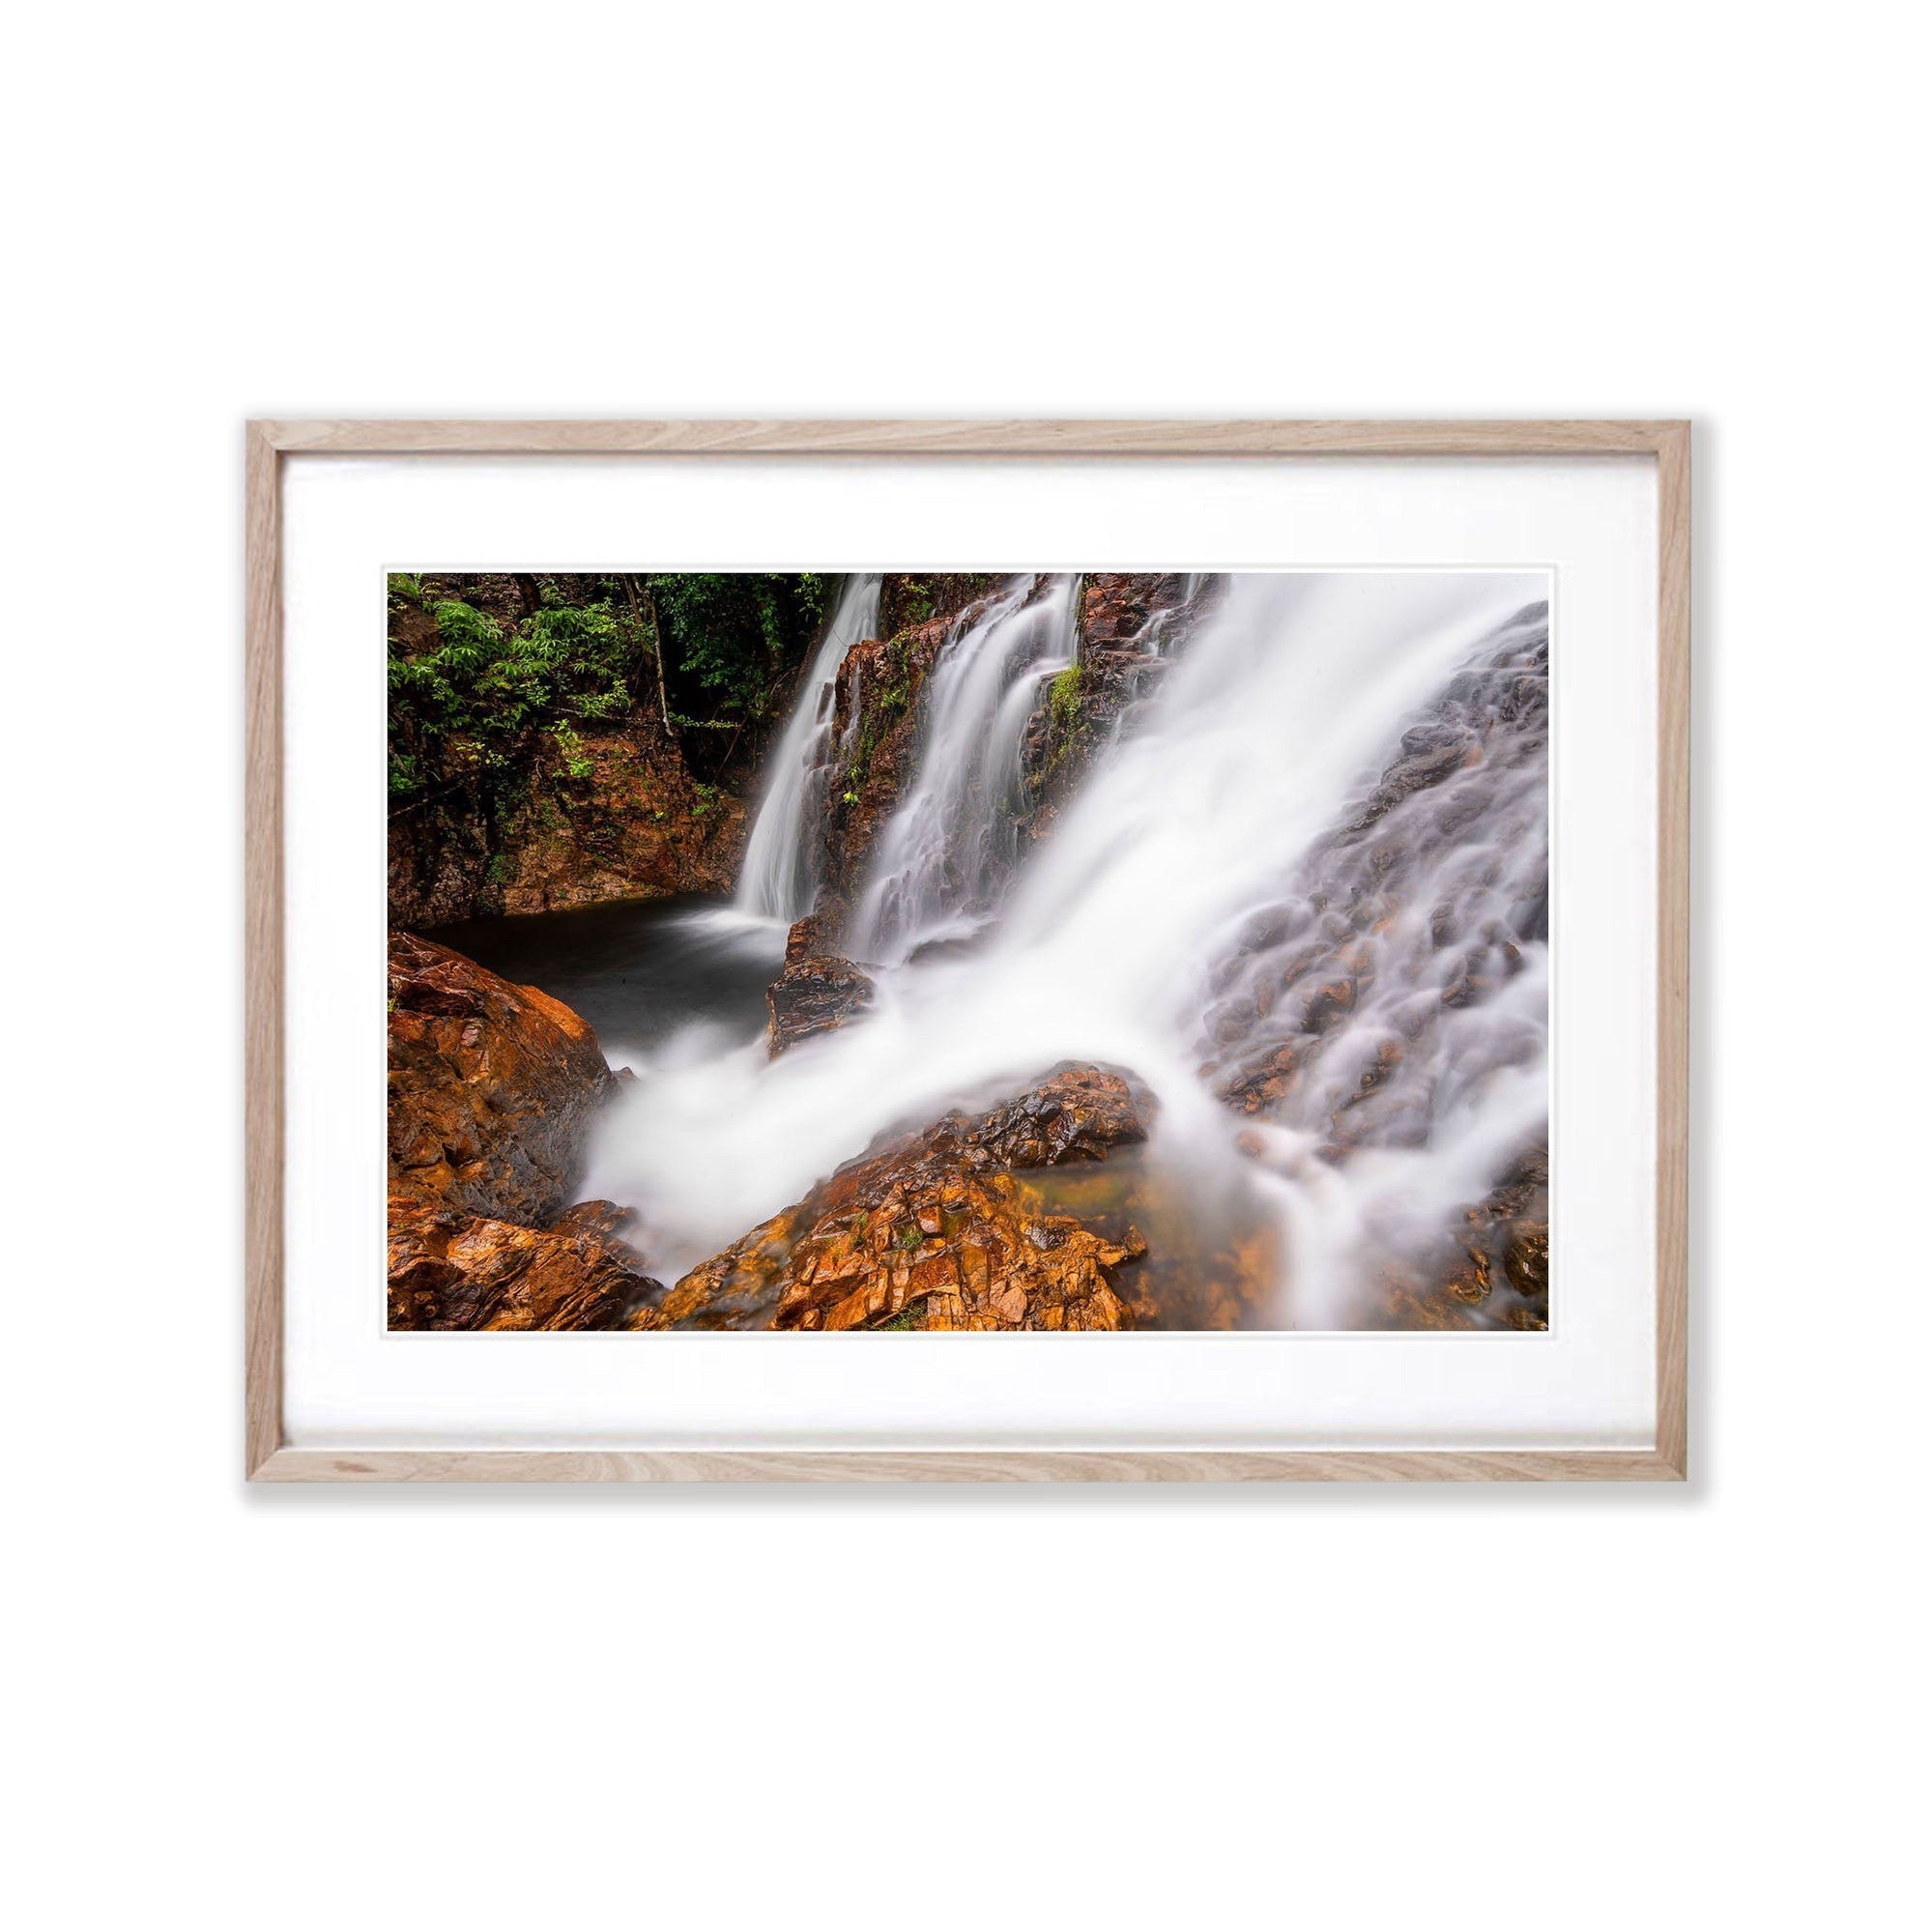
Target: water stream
x,y
1323,844
781,870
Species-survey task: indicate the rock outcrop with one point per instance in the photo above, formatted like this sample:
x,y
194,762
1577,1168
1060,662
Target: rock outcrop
x,y
1075,1114
617,815
609,809
816,988
453,1270
1130,625
935,1231
876,713
492,1090
492,1087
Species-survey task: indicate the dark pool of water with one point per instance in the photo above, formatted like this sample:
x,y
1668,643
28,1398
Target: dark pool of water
x,y
637,970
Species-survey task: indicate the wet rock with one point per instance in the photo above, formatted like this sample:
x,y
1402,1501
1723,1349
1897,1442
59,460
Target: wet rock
x,y
492,1090
814,994
1138,608
1076,1112
616,814
935,1231
821,932
450,1269
492,1087
876,702
1262,1082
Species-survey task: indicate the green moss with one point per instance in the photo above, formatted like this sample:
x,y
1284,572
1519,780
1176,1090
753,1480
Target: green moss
x,y
1063,697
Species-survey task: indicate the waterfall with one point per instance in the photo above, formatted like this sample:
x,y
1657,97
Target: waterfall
x,y
1303,901
945,852
781,871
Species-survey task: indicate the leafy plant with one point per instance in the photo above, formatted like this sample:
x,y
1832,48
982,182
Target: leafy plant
x,y
473,692
1063,697
576,761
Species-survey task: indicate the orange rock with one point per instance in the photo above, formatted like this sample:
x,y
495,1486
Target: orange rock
x,y
453,1270
492,1088
858,1251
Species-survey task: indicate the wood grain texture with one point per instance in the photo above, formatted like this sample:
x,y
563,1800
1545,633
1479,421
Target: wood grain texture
x,y
269,1459
941,438
263,991
1673,946
1019,1465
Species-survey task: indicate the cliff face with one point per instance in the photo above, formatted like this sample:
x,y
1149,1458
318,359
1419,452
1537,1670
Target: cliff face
x,y
538,758
1127,622
617,815
876,733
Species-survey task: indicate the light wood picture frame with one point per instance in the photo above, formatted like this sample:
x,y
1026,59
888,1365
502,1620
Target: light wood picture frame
x,y
269,1456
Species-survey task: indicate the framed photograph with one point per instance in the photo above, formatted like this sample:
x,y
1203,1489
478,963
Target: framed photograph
x,y
955,951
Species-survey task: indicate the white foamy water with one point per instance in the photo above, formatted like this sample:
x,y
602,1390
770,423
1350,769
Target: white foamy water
x,y
1234,831
945,849
780,872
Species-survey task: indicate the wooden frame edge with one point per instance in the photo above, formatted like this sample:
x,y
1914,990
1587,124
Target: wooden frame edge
x,y
953,436
262,861
1050,1466
1673,946
269,1460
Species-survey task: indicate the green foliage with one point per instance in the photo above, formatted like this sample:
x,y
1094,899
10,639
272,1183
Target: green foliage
x,y
901,1323
731,637
1063,697
474,696
576,761
908,1237
467,704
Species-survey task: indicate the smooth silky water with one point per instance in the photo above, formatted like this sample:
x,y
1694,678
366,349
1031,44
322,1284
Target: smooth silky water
x,y
1232,821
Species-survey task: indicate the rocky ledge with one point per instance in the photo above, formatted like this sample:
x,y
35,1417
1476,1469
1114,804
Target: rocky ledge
x,y
818,987
491,1091
935,1231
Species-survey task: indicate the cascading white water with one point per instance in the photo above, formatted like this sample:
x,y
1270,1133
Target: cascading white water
x,y
781,872
1338,781
946,848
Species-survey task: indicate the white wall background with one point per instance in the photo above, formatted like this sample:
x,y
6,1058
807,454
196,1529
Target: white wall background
x,y
1338,1708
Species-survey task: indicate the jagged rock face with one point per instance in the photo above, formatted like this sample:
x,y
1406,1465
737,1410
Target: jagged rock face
x,y
1130,624
635,826
492,1090
874,735
933,1232
492,1087
453,1270
876,717
814,994
1136,610
1075,1114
